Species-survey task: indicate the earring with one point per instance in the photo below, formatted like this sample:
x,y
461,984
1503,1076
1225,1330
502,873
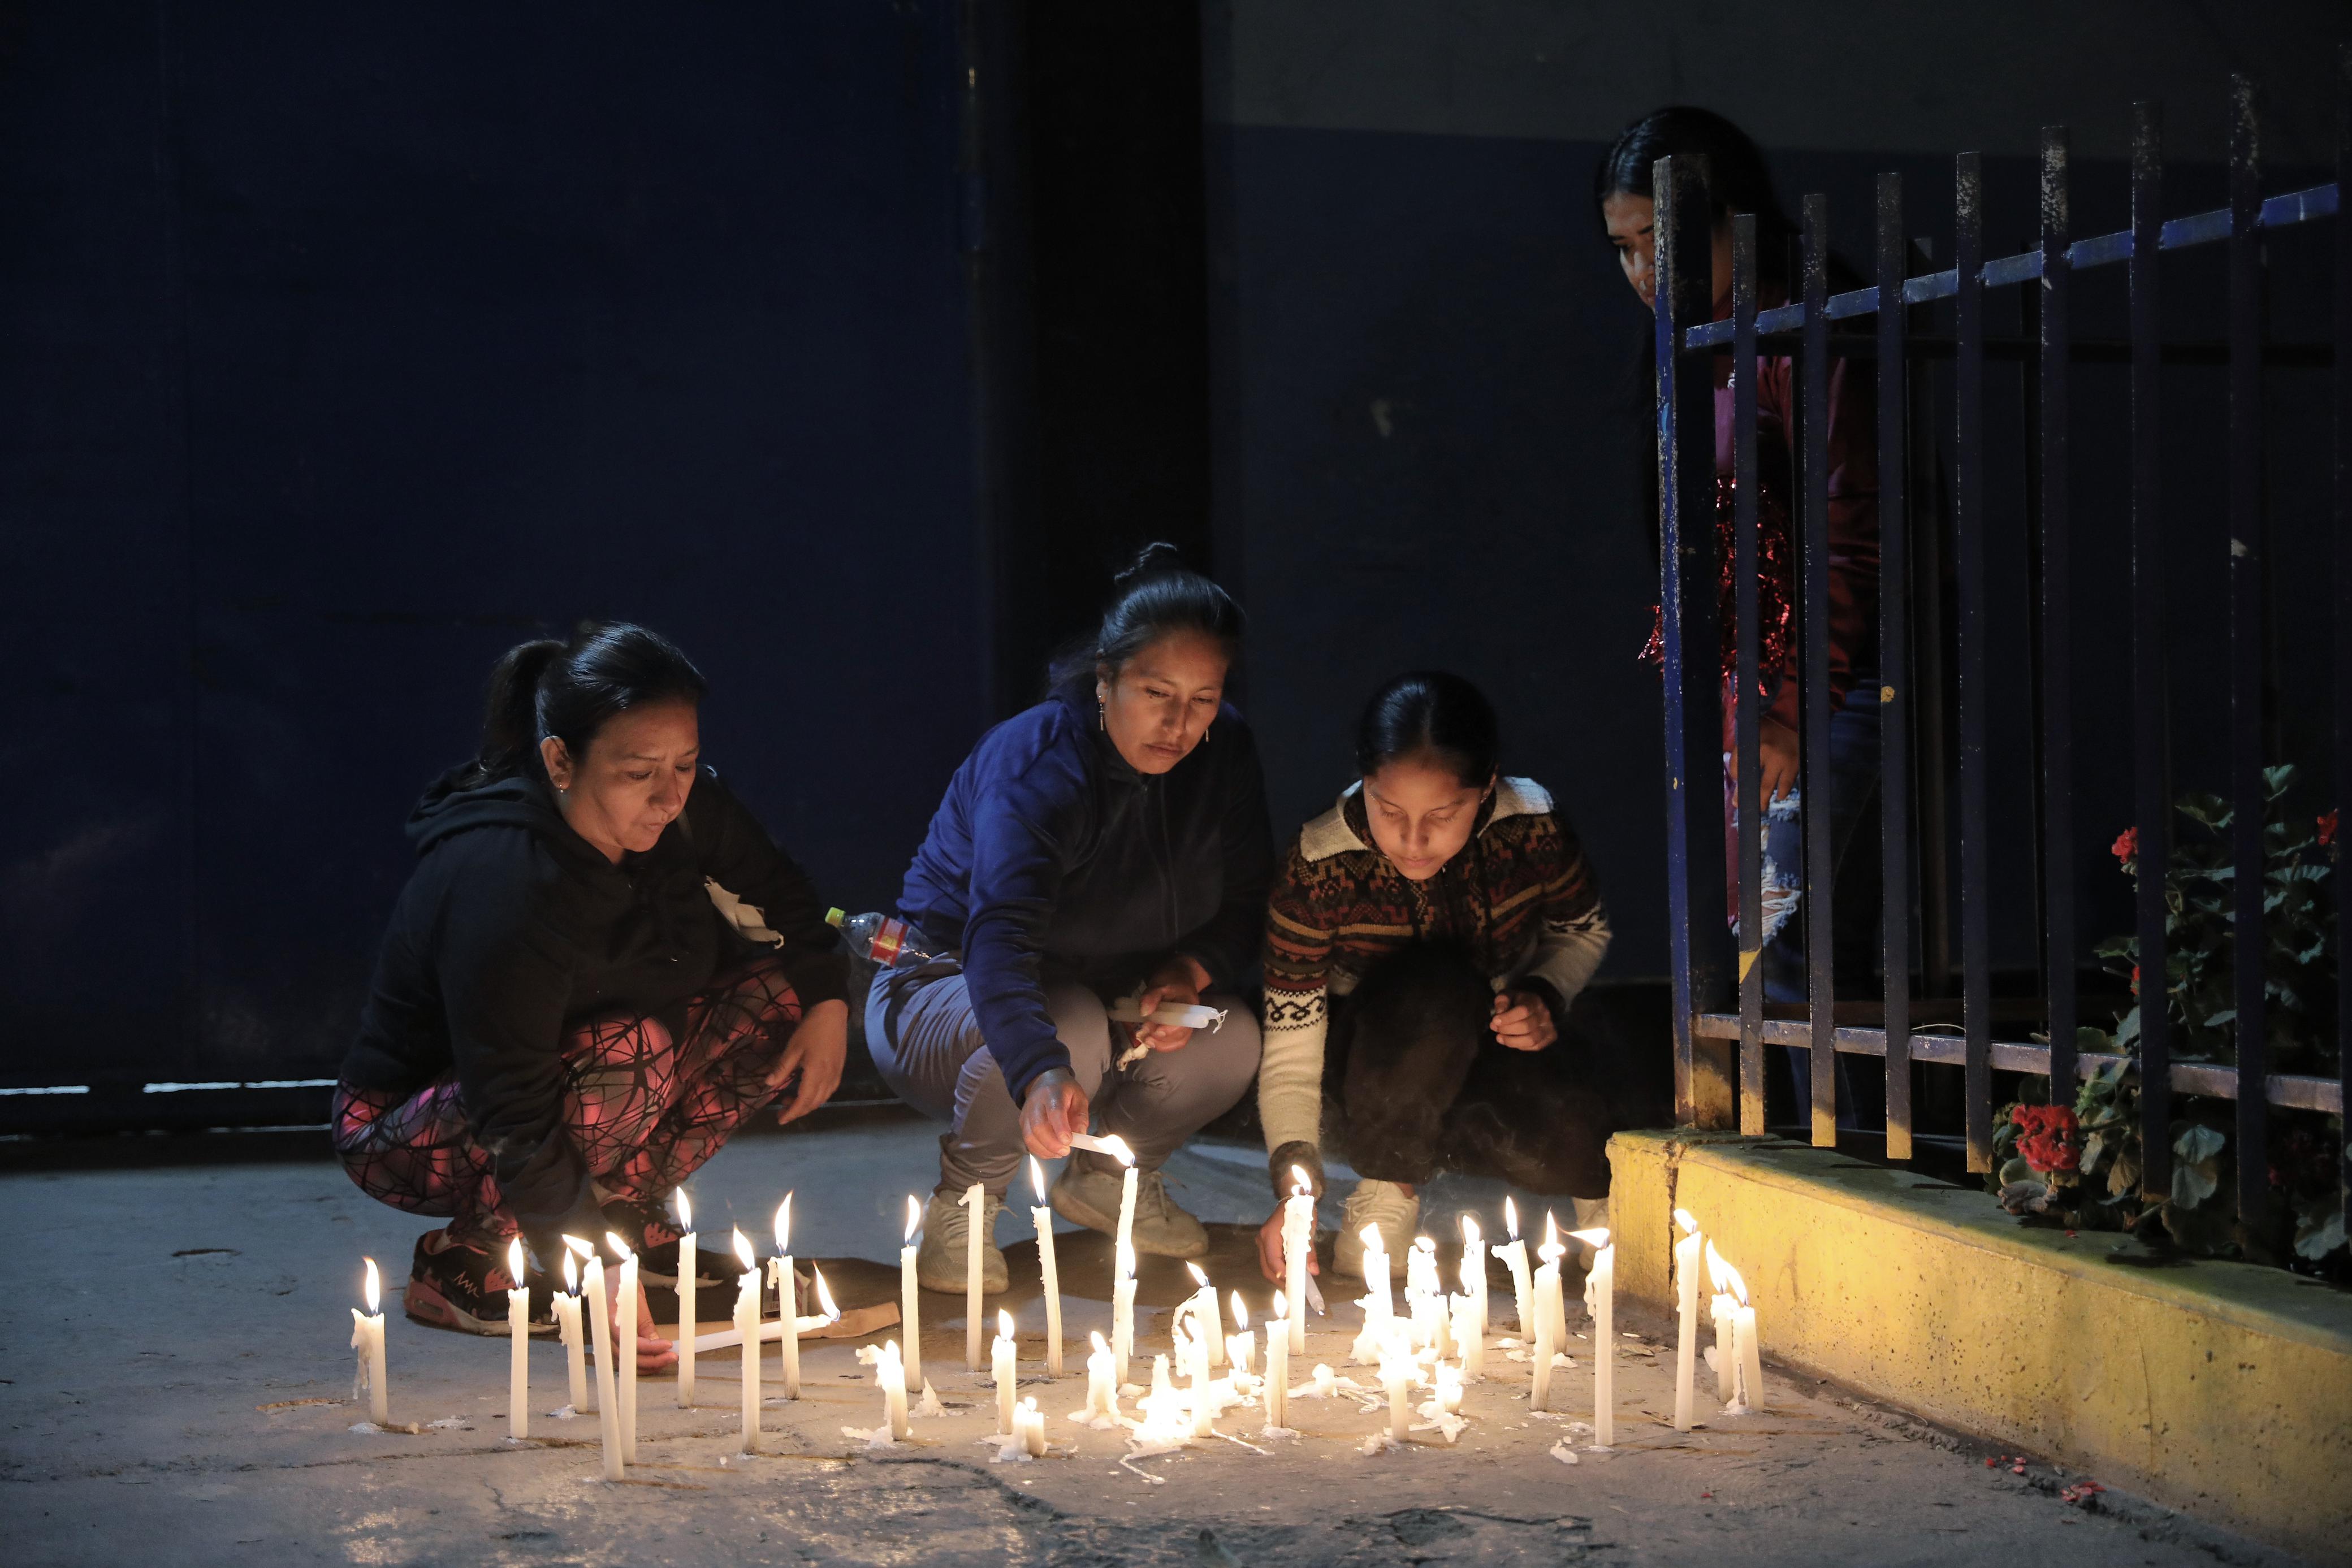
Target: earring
x,y
1102,719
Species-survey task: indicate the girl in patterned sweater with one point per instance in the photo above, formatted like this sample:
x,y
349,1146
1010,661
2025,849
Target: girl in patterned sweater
x,y
1425,941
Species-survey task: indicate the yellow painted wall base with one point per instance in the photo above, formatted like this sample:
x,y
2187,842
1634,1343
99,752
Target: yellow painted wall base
x,y
2221,1388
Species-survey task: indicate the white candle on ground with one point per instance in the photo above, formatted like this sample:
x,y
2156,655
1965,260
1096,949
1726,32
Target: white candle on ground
x,y
747,1323
1474,1279
1467,1340
1127,1206
1449,1388
1397,1368
1515,1258
687,1313
975,1203
910,1309
1240,1345
367,1338
1380,1308
1748,1387
1277,1363
1298,1247
1041,1216
1001,1369
1122,1312
567,1323
1547,1312
1204,1302
1031,1422
1687,1253
890,1376
1102,1385
1601,1296
1193,1336
625,1348
518,1348
788,1300
1560,1293
599,1320
1720,1310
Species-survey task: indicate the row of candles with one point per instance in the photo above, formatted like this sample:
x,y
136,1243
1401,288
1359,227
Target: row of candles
x,y
1433,1326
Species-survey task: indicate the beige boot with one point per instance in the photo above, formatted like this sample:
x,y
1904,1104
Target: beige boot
x,y
1383,1203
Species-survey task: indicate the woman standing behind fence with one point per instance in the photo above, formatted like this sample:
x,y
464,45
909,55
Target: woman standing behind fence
x,y
1740,182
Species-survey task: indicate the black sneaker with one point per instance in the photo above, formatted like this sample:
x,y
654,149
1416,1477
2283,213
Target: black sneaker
x,y
454,1285
653,1236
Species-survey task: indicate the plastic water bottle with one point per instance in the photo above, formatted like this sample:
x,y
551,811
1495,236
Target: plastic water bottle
x,y
880,938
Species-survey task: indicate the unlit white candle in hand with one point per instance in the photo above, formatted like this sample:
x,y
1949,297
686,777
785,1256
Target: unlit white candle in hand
x,y
1688,1253
689,1321
600,1319
367,1338
747,1323
1000,1355
518,1348
567,1322
909,1309
1041,1216
975,1203
1298,1245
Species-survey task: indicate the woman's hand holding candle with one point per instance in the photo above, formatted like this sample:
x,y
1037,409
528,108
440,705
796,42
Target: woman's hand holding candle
x,y
1177,982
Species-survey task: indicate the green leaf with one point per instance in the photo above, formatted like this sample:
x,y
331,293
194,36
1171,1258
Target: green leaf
x,y
2094,1147
2194,1181
2317,1235
2196,1144
2124,1179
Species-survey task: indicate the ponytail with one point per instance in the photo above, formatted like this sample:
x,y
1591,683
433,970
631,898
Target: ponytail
x,y
571,690
1156,596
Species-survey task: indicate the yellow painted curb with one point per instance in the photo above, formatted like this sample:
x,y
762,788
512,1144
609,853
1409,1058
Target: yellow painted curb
x,y
2221,1388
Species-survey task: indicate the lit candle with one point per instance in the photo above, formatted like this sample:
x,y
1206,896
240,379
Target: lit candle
x,y
890,1376
1449,1388
1515,1258
367,1338
1474,1279
1549,1312
518,1343
908,1308
1041,1216
1720,1310
1204,1301
1380,1308
1277,1364
788,1301
1126,1207
1467,1339
1749,1388
1102,1383
1030,1422
1001,1352
567,1323
625,1353
1559,1292
1164,1411
1397,1367
975,1202
1424,1296
1122,1312
747,1323
1686,1265
689,1321
1298,1245
1600,1298
1240,1345
600,1319
1194,1334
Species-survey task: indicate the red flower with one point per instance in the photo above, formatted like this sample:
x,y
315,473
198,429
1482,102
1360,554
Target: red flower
x,y
2134,979
2326,829
2127,848
2049,1138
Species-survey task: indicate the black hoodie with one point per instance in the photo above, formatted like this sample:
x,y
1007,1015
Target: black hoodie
x,y
513,929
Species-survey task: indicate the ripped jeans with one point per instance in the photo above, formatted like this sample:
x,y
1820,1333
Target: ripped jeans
x,y
1855,882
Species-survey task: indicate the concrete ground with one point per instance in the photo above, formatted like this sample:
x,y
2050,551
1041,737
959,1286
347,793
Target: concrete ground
x,y
173,1342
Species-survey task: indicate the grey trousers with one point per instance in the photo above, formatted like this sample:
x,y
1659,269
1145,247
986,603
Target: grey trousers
x,y
932,1056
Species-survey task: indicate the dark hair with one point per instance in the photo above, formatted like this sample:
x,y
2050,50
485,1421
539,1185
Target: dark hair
x,y
1154,597
1434,713
1737,180
571,690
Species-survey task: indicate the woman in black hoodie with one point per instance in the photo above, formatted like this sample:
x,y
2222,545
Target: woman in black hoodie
x,y
563,1024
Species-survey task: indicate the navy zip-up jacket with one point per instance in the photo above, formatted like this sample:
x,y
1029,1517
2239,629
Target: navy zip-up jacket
x,y
1051,859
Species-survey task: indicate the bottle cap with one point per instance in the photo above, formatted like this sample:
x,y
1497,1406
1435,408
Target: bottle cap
x,y
834,917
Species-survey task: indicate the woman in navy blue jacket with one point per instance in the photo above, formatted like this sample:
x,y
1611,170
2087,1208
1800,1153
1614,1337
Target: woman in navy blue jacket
x,y
1109,844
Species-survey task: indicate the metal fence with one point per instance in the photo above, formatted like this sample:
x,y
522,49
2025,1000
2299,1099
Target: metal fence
x,y
1712,1036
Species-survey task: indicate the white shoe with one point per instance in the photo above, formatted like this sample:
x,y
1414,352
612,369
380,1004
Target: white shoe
x,y
1383,1203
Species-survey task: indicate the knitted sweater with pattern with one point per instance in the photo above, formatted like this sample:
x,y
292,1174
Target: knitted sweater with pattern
x,y
1518,898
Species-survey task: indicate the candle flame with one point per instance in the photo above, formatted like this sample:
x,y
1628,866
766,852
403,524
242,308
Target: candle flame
x,y
1738,1286
1281,1308
1299,1186
1003,1324
1596,1237
1100,1348
1683,1217
914,1218
581,1248
1241,1312
1552,1231
1511,1217
784,1225
1198,1278
1037,1177
374,1286
743,1249
824,1297
1715,1268
685,1210
1116,1148
571,1273
1423,1244
1471,1234
618,1245
514,1261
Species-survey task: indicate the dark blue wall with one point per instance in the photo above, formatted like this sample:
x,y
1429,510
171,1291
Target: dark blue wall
x,y
345,348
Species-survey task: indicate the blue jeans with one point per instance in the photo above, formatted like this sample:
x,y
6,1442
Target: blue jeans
x,y
1854,879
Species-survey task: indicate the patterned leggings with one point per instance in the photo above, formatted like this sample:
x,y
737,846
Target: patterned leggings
x,y
644,1110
